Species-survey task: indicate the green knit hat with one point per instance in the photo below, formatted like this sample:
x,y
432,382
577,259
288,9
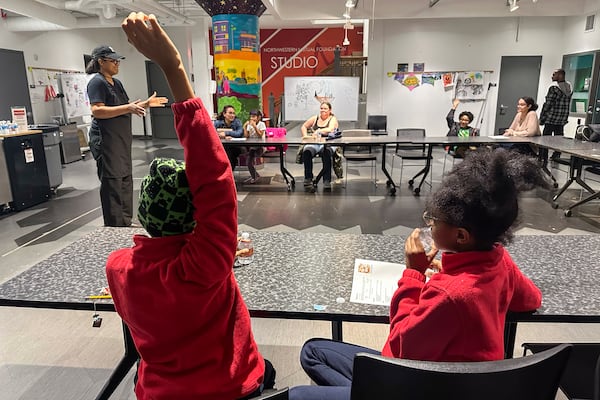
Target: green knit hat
x,y
165,206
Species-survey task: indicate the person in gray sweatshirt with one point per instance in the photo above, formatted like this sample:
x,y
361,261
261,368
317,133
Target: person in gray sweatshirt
x,y
555,112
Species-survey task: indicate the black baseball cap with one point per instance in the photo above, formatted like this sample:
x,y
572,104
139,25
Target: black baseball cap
x,y
105,51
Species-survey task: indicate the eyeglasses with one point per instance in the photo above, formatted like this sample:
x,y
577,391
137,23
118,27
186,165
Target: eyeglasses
x,y
429,219
112,60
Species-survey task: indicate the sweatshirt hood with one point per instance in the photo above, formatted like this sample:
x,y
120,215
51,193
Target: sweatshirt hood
x,y
565,87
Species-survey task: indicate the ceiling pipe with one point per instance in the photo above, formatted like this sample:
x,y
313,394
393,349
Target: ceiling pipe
x,y
41,22
39,11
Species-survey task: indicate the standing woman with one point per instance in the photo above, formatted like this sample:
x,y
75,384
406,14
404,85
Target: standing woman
x,y
320,125
110,134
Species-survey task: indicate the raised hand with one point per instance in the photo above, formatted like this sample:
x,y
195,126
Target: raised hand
x,y
147,36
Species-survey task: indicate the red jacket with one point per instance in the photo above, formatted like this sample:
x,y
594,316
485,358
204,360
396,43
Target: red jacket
x,y
178,294
459,314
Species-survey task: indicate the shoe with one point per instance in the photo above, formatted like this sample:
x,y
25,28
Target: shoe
x,y
308,182
327,186
250,180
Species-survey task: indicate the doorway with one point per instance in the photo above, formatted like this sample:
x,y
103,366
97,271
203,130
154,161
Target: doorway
x,y
161,118
519,76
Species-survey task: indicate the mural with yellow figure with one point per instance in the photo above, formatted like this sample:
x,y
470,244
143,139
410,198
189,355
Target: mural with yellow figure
x,y
237,62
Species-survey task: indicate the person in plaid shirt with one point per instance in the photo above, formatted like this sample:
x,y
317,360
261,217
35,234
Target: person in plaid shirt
x,y
555,112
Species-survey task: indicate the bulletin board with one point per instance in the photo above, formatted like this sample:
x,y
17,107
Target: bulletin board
x,y
304,94
74,88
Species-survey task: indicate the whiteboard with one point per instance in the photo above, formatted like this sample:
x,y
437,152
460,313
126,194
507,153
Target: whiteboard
x,y
304,94
74,88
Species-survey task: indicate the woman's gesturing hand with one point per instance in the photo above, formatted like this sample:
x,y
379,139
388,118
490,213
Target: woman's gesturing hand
x,y
154,101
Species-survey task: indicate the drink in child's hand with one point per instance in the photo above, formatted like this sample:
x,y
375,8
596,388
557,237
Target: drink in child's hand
x,y
426,238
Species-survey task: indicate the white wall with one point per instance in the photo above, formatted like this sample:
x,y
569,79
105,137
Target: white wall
x,y
453,45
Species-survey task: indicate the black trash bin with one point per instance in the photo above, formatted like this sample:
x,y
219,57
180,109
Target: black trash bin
x,y
26,165
51,135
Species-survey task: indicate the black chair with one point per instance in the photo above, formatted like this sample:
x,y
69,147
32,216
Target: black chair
x,y
274,394
534,377
581,372
377,123
410,152
361,154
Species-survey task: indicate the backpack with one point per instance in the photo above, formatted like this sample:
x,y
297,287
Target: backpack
x,y
588,133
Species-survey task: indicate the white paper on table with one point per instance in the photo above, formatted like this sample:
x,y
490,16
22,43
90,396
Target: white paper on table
x,y
374,282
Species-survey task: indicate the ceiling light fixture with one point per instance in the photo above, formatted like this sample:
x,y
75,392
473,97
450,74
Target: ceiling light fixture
x,y
513,5
351,3
336,21
434,2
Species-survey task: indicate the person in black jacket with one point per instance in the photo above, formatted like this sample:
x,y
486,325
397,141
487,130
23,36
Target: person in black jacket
x,y
460,128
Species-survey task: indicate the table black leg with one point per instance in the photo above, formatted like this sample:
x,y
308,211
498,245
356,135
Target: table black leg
x,y
124,366
336,330
425,170
291,182
390,182
510,333
543,160
574,170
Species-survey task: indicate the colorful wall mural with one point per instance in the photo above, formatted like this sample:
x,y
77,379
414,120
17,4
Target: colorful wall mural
x,y
237,62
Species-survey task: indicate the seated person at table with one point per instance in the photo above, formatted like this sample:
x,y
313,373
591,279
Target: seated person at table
x,y
458,315
320,126
176,290
460,129
525,124
229,126
254,128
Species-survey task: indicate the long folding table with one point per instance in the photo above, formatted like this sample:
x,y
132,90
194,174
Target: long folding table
x,y
302,275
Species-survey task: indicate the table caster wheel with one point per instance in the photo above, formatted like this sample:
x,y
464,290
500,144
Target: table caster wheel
x,y
388,183
568,213
555,185
555,205
393,191
417,191
410,183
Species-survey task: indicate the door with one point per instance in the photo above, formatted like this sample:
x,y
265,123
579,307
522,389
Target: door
x,y
519,76
161,118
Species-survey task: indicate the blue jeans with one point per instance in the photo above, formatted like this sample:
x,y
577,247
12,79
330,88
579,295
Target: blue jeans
x,y
329,364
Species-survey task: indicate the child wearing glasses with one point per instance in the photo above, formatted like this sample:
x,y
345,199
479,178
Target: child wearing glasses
x,y
458,315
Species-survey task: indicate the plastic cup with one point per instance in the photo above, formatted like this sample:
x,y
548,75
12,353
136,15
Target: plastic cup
x,y
426,238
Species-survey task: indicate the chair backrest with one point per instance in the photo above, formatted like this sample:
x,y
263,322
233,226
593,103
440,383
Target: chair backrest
x,y
377,122
580,373
282,394
356,133
410,133
534,377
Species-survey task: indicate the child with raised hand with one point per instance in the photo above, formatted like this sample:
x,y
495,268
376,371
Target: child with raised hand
x,y
254,128
458,315
176,290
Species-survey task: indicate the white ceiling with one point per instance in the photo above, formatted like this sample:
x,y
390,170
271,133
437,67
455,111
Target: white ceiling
x,y
39,15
